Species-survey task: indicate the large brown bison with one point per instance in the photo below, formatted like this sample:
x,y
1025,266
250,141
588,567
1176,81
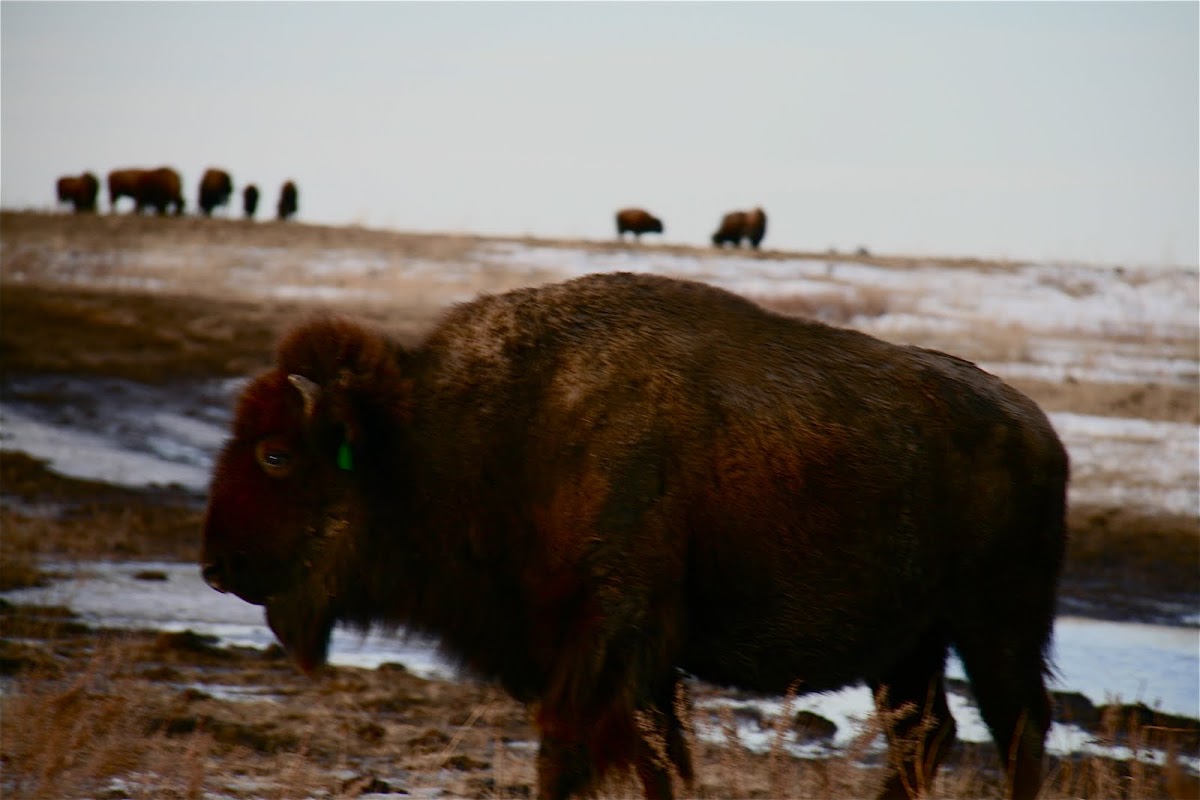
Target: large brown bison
x,y
78,190
250,200
583,489
637,221
215,188
287,201
737,225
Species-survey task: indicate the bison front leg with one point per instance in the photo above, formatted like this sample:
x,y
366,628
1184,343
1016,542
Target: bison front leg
x,y
919,735
662,753
564,767
920,729
663,750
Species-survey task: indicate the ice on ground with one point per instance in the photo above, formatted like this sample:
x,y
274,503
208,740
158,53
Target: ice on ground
x,y
118,431
78,454
1105,661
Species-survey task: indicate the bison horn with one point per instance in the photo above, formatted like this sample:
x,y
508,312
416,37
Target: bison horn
x,y
309,391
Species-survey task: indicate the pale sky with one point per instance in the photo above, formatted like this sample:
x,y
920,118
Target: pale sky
x,y
1041,131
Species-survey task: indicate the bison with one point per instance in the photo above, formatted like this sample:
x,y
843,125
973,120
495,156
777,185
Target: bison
x,y
587,489
123,183
287,201
731,230
160,189
250,200
738,225
756,226
79,190
215,188
637,221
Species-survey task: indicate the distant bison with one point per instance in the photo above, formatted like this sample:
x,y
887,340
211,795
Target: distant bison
x,y
160,189
756,226
215,188
250,200
583,489
737,225
79,190
637,221
287,201
123,183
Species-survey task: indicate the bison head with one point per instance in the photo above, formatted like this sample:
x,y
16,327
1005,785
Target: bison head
x,y
286,509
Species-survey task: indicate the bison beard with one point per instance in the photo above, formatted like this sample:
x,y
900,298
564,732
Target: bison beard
x,y
583,489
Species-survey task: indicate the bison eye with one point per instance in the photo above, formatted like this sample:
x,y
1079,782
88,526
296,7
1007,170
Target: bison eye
x,y
274,457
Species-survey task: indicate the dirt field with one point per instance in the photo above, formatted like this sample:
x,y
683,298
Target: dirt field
x,y
99,713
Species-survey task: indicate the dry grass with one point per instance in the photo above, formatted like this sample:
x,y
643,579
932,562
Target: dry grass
x,y
89,713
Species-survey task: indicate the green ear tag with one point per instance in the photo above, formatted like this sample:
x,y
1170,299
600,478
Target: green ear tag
x,y
345,459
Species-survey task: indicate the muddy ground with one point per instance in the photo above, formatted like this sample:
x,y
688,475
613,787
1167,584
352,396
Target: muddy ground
x,y
115,714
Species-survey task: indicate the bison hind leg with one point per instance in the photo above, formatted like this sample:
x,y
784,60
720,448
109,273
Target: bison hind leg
x,y
572,763
1007,675
911,699
574,758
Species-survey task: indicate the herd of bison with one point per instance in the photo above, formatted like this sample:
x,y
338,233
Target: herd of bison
x,y
162,190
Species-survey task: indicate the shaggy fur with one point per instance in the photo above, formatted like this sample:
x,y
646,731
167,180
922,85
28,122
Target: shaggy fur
x,y
582,489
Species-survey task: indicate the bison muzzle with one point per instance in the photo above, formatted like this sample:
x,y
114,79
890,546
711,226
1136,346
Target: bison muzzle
x,y
589,489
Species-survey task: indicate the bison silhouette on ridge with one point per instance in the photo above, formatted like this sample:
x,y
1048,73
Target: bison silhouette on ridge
x,y
585,489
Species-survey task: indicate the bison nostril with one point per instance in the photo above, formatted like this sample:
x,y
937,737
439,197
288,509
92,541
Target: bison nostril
x,y
212,576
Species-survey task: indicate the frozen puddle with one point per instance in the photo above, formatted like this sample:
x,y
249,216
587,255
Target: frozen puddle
x,y
1107,662
108,594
